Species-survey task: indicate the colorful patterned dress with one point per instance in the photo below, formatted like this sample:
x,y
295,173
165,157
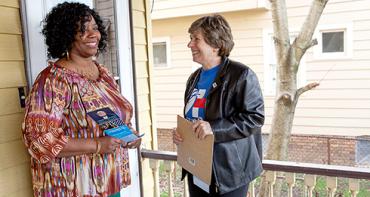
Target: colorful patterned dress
x,y
56,111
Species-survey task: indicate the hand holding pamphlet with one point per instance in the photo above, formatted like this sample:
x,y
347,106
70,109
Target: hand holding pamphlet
x,y
112,125
122,132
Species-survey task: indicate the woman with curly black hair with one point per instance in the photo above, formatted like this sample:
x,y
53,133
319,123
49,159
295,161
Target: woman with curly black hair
x,y
70,153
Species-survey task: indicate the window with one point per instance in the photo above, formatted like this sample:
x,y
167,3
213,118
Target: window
x,y
270,62
333,42
161,52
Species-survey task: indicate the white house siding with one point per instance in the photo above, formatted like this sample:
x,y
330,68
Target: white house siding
x,y
339,106
179,8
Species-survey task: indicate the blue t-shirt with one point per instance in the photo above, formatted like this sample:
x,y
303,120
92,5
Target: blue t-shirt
x,y
195,108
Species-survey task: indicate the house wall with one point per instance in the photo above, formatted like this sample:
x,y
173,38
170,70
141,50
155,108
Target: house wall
x,y
176,8
143,62
339,106
15,176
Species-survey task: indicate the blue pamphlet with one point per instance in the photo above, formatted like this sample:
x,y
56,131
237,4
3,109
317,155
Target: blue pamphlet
x,y
112,125
122,132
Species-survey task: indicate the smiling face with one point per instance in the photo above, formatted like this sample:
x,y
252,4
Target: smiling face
x,y
202,52
86,43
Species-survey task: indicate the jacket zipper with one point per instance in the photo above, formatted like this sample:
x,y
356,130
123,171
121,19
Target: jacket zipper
x,y
216,179
213,163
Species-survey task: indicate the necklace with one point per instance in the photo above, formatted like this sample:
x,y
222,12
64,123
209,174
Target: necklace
x,y
92,72
89,71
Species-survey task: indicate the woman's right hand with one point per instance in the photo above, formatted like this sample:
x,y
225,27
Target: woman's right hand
x,y
108,144
176,137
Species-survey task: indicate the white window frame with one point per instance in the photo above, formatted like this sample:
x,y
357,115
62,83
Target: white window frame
x,y
167,40
347,41
269,56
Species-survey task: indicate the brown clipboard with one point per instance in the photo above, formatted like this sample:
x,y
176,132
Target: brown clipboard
x,y
193,154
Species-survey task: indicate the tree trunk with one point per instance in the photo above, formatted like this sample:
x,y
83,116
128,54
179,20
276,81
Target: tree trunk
x,y
288,57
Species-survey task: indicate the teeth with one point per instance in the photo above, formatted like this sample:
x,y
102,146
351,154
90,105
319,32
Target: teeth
x,y
91,44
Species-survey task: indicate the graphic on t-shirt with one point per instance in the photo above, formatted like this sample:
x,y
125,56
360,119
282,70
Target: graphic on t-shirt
x,y
196,103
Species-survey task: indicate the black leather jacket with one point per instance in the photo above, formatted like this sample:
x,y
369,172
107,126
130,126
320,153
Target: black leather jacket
x,y
235,111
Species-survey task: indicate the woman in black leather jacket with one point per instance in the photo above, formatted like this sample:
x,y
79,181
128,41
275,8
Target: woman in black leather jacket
x,y
223,98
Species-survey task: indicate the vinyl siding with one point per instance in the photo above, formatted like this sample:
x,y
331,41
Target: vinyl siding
x,y
339,106
15,176
176,8
143,62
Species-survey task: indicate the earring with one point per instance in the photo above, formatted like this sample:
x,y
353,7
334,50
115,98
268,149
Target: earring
x,y
67,55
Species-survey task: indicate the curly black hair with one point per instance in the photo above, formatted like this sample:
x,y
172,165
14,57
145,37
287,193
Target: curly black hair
x,y
62,23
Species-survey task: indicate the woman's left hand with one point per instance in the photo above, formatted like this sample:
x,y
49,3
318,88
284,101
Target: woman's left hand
x,y
136,143
202,128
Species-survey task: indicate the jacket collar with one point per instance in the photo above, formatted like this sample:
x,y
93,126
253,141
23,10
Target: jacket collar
x,y
220,75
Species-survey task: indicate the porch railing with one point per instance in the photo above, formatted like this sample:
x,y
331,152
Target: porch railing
x,y
306,173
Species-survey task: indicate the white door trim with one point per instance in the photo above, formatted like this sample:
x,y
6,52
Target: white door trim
x,y
127,75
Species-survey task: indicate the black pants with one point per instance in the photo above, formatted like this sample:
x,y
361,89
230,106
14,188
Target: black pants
x,y
195,191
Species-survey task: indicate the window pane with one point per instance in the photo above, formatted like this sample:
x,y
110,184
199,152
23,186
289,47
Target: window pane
x,y
363,152
160,54
332,42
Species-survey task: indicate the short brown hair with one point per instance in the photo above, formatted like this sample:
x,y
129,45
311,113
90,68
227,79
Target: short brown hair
x,y
216,32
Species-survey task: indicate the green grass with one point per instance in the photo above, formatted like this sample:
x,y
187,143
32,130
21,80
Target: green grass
x,y
176,181
165,194
342,187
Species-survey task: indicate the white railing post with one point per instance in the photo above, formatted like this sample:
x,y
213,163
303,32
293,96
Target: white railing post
x,y
331,183
154,165
354,186
271,178
310,182
251,189
290,179
168,167
310,171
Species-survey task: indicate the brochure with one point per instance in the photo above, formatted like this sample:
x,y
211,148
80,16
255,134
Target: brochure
x,y
112,125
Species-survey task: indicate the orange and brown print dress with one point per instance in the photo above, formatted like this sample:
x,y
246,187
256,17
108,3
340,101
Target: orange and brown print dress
x,y
56,111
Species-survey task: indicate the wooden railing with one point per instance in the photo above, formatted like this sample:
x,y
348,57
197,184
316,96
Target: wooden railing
x,y
309,173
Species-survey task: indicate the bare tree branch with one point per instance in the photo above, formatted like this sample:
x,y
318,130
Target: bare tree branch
x,y
303,50
280,26
303,41
306,88
313,43
286,97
